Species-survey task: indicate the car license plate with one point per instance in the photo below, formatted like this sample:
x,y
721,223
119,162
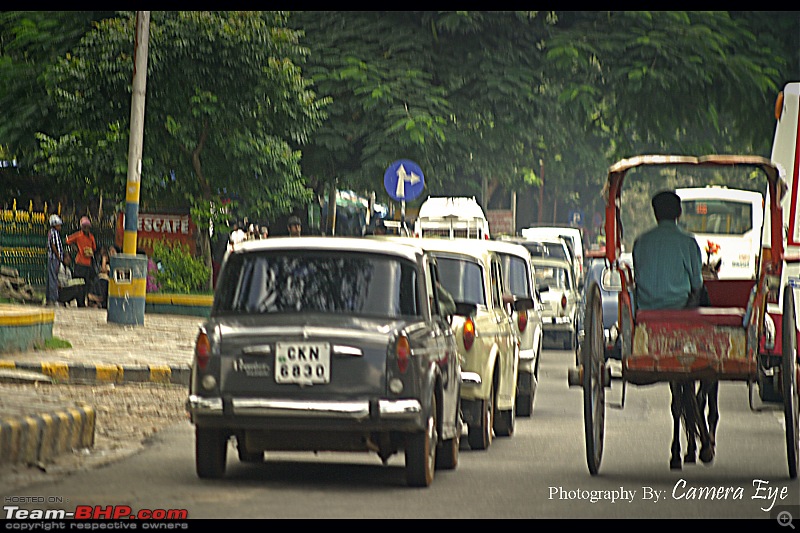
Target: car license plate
x,y
304,363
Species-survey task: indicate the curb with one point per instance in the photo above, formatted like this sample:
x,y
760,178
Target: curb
x,y
37,439
88,374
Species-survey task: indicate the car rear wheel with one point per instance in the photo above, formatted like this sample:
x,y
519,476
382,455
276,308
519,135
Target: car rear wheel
x,y
570,342
504,423
768,388
447,456
421,452
480,435
505,420
525,399
211,452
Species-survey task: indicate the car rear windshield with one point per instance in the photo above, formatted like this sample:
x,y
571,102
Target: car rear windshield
x,y
462,279
557,250
553,277
328,282
515,274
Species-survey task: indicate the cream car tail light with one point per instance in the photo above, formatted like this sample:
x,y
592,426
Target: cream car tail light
x,y
469,333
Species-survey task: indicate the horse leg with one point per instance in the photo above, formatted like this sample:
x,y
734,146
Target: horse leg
x,y
698,405
689,422
691,439
676,408
712,394
691,436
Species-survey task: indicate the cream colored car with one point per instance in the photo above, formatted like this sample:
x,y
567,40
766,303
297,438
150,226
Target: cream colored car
x,y
555,281
518,276
471,271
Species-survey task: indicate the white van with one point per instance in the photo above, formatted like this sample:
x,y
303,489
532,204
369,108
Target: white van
x,y
731,220
573,237
451,217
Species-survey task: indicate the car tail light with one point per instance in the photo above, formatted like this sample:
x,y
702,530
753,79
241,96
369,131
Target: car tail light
x,y
563,301
403,353
202,350
469,333
522,320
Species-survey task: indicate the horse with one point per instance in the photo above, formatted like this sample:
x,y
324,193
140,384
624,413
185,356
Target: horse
x,y
689,402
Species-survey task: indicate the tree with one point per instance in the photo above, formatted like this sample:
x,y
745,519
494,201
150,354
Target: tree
x,y
227,107
491,94
29,43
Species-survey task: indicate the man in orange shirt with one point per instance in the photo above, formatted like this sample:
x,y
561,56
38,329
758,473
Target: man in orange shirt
x,y
87,246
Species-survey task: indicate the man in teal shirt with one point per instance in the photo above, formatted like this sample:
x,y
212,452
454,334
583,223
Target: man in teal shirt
x,y
667,264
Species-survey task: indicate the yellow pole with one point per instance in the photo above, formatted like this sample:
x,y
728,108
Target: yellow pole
x,y
137,132
127,284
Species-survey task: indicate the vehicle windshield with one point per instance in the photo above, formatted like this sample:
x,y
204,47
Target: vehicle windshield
x,y
718,217
553,277
462,279
328,282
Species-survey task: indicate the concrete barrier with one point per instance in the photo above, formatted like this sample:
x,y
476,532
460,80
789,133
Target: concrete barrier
x,y
22,327
179,304
39,438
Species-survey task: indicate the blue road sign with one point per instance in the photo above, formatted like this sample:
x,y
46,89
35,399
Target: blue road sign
x,y
403,180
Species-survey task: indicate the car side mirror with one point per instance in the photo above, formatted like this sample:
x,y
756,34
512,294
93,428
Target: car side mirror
x,y
610,280
466,309
523,304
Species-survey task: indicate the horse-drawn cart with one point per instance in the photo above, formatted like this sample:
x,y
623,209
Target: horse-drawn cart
x,y
705,344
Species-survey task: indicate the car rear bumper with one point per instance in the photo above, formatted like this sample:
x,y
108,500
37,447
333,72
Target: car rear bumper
x,y
548,328
403,409
252,412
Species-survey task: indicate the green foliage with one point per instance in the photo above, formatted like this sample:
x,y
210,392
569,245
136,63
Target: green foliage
x,y
180,272
54,343
227,107
268,108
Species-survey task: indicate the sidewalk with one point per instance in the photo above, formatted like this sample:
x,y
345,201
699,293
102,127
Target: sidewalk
x,y
163,341
160,350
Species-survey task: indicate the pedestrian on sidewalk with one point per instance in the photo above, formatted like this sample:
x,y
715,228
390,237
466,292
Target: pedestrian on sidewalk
x,y
55,258
87,246
69,287
97,296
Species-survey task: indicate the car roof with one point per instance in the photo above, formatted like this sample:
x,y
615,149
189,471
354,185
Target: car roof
x,y
552,262
475,248
443,206
510,247
407,250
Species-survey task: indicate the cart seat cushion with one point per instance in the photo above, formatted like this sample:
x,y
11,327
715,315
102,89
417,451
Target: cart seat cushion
x,y
711,316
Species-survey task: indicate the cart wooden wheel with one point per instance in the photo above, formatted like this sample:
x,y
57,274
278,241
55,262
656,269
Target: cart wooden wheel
x,y
789,381
594,406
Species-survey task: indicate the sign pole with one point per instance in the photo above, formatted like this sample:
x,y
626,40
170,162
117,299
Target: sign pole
x,y
127,285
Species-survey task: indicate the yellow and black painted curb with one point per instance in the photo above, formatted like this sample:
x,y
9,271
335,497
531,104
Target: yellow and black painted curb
x,y
37,439
88,373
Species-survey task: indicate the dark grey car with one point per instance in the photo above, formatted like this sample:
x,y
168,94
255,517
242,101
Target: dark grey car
x,y
327,344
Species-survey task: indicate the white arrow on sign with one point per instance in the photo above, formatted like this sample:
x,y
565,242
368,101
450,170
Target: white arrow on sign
x,y
402,178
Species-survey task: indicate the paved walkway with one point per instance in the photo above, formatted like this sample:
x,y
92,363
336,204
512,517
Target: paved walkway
x,y
159,350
